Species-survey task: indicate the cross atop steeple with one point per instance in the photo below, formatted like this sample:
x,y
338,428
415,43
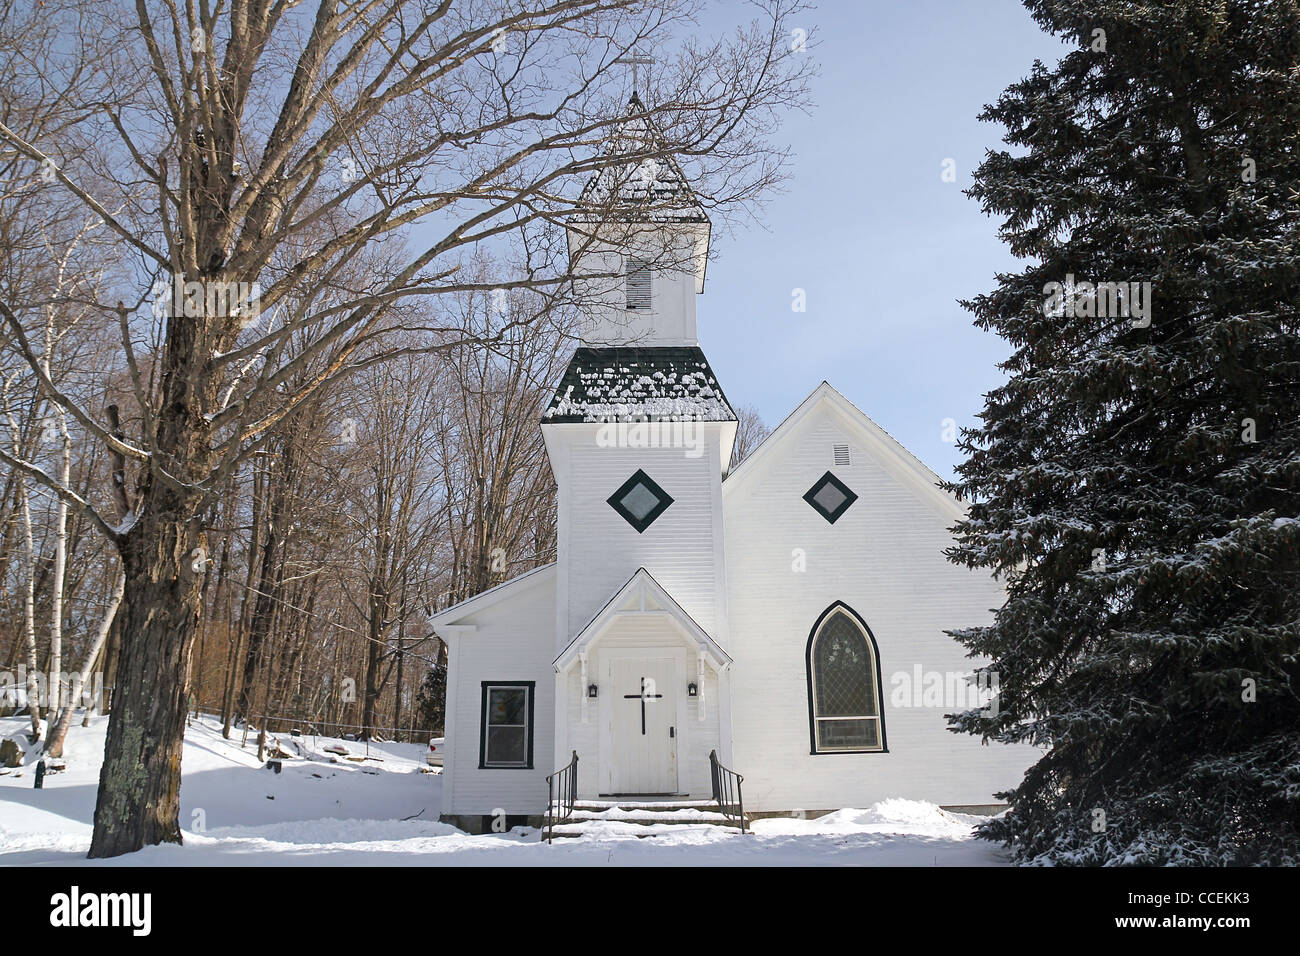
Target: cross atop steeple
x,y
636,60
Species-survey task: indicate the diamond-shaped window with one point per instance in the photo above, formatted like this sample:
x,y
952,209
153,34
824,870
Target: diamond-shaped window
x,y
830,497
640,501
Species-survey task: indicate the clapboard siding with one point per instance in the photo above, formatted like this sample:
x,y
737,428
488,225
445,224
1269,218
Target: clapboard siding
x,y
599,551
512,642
884,559
669,320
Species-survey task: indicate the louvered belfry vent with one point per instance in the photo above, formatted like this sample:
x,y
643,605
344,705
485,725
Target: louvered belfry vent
x,y
841,454
638,284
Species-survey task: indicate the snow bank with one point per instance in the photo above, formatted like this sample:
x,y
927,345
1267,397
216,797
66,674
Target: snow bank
x,y
383,811
910,817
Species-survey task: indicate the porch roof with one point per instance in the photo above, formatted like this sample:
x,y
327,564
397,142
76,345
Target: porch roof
x,y
642,595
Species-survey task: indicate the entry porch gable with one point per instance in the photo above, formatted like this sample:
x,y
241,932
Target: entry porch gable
x,y
643,696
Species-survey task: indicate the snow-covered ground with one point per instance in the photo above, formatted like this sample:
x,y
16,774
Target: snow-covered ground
x,y
384,812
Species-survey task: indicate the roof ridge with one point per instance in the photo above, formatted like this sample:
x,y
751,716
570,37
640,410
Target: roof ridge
x,y
492,592
826,391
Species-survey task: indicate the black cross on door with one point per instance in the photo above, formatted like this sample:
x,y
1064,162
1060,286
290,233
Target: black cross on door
x,y
643,697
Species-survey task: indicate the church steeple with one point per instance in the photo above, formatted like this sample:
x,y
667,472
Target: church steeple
x,y
639,433
641,235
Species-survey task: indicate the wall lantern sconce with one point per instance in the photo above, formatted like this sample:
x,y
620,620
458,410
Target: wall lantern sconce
x,y
591,690
692,689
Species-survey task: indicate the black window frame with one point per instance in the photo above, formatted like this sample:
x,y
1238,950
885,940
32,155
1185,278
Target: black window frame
x,y
640,478
857,619
531,688
829,478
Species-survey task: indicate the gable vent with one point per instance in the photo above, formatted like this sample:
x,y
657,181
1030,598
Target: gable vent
x,y
841,454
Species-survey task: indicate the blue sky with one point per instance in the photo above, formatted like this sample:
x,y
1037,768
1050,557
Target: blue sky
x,y
882,246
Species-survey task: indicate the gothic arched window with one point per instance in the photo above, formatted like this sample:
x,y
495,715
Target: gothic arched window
x,y
844,684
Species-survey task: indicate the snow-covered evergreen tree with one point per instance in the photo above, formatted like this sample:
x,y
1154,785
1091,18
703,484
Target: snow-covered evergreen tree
x,y
1137,478
431,700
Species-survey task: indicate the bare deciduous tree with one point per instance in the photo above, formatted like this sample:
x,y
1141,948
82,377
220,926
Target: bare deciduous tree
x,y
250,157
750,432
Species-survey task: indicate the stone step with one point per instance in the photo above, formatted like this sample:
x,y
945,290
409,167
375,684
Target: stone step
x,y
612,819
604,829
645,804
644,816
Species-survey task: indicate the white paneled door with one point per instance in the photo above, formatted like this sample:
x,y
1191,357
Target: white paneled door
x,y
644,757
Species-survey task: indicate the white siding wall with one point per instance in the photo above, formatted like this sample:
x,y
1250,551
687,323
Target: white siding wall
x,y
883,557
671,317
580,736
599,551
513,642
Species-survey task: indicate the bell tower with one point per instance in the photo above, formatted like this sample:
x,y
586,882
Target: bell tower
x,y
639,244
639,432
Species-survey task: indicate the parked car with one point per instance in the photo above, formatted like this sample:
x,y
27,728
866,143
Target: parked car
x,y
433,756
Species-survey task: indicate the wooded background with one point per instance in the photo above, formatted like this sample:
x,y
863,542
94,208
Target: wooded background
x,y
283,289
422,485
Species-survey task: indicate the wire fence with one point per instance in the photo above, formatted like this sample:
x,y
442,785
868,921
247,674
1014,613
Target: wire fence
x,y
319,727
297,725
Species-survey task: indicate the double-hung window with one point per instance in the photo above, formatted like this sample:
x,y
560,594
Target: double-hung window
x,y
506,732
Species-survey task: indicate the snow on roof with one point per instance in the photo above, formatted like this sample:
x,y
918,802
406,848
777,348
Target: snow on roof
x,y
651,183
626,384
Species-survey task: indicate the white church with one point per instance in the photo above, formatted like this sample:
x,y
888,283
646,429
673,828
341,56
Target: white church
x,y
781,621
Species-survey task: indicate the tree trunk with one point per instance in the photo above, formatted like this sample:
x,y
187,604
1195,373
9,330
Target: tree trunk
x,y
139,787
401,667
269,584
228,693
374,649
256,656
60,570
60,732
112,651
122,502
223,566
164,558
29,618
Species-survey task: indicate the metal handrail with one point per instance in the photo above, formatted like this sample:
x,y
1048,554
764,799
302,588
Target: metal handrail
x,y
561,795
726,791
